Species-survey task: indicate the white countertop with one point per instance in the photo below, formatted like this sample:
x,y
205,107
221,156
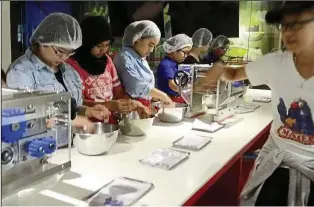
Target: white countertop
x,y
172,188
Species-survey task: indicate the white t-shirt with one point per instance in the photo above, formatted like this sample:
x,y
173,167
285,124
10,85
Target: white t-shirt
x,y
292,101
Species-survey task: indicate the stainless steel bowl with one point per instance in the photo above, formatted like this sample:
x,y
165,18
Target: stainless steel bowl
x,y
173,114
133,125
101,141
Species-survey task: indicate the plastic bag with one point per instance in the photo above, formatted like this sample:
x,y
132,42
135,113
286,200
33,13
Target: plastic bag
x,y
206,127
121,192
231,121
262,99
192,142
165,158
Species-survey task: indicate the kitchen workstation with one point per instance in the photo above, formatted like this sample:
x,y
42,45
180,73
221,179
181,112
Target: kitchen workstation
x,y
185,154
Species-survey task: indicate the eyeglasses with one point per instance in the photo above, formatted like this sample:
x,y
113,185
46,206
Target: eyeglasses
x,y
294,26
184,52
63,54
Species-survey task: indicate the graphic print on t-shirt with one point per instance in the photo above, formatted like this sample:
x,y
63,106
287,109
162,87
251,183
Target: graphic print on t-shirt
x,y
298,123
99,88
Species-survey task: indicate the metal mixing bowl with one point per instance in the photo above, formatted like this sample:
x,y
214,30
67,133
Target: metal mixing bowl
x,y
173,114
133,125
101,141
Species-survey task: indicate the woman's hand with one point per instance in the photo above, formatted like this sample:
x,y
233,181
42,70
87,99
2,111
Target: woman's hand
x,y
98,111
143,111
79,122
123,106
166,100
84,123
50,122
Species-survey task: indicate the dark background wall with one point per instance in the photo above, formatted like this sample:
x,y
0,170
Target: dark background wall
x,y
221,18
122,13
186,16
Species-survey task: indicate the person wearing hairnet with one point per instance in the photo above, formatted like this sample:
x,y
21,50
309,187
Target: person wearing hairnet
x,y
139,40
201,42
218,48
100,79
43,66
176,49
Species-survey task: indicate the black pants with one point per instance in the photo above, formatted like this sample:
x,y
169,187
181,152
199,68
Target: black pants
x,y
275,190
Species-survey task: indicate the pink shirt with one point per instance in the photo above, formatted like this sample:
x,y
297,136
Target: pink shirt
x,y
98,88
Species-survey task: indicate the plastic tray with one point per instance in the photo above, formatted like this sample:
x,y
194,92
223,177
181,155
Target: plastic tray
x,y
121,191
262,99
206,127
165,158
246,108
231,121
192,142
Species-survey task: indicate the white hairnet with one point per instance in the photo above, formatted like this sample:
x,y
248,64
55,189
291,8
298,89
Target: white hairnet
x,y
202,37
139,29
177,42
220,41
60,30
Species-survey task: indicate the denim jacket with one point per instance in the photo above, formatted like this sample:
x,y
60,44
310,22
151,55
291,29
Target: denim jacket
x,y
29,72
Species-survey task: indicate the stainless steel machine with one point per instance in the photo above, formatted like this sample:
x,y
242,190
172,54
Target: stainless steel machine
x,y
28,143
213,102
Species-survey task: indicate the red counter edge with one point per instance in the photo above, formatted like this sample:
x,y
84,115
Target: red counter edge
x,y
191,201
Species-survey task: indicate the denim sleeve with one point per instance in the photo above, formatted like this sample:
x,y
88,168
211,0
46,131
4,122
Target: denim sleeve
x,y
135,85
77,87
19,78
80,88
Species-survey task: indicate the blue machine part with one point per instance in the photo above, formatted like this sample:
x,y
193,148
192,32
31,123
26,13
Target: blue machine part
x,y
238,84
12,112
50,145
13,125
40,147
